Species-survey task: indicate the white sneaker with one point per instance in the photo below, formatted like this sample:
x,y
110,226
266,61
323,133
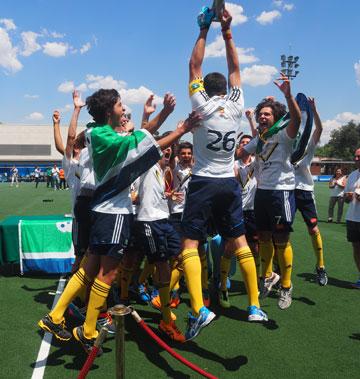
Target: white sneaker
x,y
267,284
285,298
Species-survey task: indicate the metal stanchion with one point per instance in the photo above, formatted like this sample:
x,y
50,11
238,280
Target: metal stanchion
x,y
118,312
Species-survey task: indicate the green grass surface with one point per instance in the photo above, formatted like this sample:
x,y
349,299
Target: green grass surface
x,y
317,337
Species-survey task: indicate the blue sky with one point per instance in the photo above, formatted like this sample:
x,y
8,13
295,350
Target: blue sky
x,y
49,47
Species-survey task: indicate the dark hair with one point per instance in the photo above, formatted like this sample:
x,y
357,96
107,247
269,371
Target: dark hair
x,y
215,84
185,145
245,136
278,109
101,103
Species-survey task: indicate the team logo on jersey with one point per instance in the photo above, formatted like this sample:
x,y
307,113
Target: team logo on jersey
x,y
221,110
195,86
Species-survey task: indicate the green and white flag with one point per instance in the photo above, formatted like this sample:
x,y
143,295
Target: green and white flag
x,y
46,245
119,159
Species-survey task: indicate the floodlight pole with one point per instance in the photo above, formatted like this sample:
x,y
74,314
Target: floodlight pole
x,y
290,66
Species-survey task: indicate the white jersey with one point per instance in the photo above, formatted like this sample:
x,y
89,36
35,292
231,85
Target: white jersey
x,y
153,204
353,185
72,176
337,190
37,172
15,172
303,178
181,179
248,183
134,189
215,140
87,177
275,171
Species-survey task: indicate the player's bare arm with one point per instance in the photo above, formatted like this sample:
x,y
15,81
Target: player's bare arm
x,y
249,113
59,145
295,114
318,124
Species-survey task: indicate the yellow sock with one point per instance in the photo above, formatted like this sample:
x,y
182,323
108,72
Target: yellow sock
x,y
225,263
257,264
175,276
99,293
192,271
204,270
83,261
318,248
76,283
126,275
147,270
247,266
285,256
164,293
266,251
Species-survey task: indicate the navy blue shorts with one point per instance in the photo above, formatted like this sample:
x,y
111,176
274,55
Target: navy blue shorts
x,y
353,231
159,239
110,233
250,226
175,220
274,210
219,198
305,203
82,224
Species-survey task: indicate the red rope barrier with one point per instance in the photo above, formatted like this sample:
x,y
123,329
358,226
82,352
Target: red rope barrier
x,y
177,356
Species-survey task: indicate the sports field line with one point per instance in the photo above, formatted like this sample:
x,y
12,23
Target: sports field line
x,y
43,354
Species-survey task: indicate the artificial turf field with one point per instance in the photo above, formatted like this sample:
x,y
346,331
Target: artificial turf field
x,y
317,337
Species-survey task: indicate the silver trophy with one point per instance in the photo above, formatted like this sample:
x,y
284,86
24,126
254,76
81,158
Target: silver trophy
x,y
218,7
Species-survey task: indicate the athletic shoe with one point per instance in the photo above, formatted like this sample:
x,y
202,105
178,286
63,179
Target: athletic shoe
x,y
154,293
206,298
330,219
195,324
224,299
256,314
174,299
86,343
267,284
105,319
356,285
142,293
228,283
285,298
156,304
321,276
58,330
172,331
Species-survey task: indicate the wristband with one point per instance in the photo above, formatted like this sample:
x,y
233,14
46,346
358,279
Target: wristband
x,y
227,34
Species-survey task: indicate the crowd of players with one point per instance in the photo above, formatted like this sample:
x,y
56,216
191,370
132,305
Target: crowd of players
x,y
136,193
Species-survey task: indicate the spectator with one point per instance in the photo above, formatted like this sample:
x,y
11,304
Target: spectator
x,y
14,176
49,182
55,177
62,179
352,196
337,184
37,173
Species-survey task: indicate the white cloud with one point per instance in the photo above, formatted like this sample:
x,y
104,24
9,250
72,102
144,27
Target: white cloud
x,y
216,49
237,13
357,72
137,95
8,24
35,116
278,3
268,17
82,87
84,48
66,87
57,35
30,44
288,7
27,96
107,82
8,53
55,49
66,108
258,75
339,120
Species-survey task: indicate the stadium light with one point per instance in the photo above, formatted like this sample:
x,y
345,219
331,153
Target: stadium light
x,y
289,66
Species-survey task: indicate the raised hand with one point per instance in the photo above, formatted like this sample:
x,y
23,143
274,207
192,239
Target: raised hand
x,y
193,121
312,103
149,106
56,117
169,102
249,113
284,87
78,102
226,19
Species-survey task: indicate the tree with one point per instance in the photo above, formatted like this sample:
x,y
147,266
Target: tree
x,y
343,142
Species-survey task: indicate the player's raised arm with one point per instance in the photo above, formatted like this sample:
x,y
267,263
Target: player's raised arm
x,y
249,113
204,21
78,104
231,53
318,124
149,108
59,145
295,114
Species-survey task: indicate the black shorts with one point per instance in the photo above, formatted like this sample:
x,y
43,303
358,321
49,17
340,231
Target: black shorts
x,y
219,198
305,203
159,240
250,226
175,220
110,233
274,210
353,231
82,224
